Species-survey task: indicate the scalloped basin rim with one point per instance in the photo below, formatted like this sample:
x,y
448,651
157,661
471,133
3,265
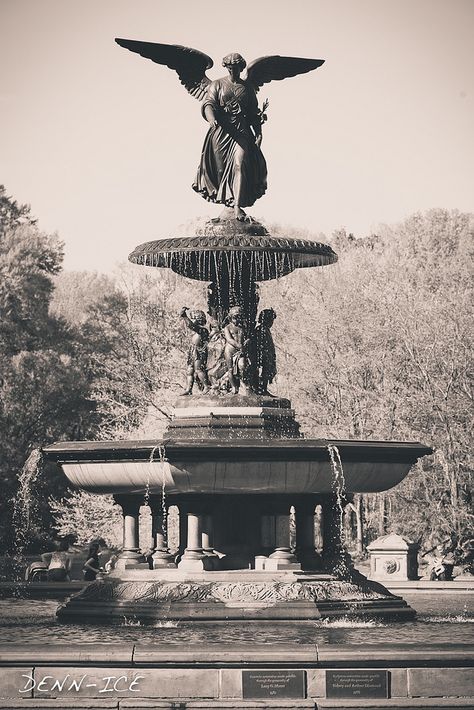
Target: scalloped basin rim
x,y
247,242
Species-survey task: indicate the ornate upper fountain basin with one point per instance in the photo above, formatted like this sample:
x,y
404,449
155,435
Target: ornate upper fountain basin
x,y
233,467
228,246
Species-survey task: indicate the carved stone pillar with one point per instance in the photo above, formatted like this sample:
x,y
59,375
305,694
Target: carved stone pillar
x,y
194,558
282,558
183,529
305,548
207,539
318,529
161,554
130,554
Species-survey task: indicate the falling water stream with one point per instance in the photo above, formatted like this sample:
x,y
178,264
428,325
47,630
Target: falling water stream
x,y
339,488
24,508
206,265
341,567
160,448
164,512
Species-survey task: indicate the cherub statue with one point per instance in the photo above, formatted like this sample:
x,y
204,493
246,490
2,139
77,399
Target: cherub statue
x,y
232,170
197,353
235,354
263,351
216,364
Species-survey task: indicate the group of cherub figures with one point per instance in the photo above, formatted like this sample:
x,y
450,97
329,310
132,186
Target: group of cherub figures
x,y
227,358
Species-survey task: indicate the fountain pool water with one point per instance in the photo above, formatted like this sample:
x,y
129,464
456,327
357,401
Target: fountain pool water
x,y
441,616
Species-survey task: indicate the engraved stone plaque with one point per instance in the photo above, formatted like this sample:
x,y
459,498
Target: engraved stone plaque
x,y
357,684
273,684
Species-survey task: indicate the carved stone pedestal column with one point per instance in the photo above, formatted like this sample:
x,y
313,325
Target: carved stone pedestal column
x,y
194,558
161,554
207,540
282,558
130,556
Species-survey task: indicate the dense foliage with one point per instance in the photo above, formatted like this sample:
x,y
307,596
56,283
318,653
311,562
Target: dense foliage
x,y
375,347
49,365
384,343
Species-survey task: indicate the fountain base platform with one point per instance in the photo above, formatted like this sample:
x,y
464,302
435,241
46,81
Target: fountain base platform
x,y
226,417
230,596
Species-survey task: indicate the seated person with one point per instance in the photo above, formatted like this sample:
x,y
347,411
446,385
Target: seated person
x,y
443,565
92,564
59,563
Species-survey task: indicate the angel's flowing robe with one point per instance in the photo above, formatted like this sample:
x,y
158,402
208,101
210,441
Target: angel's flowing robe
x,y
236,110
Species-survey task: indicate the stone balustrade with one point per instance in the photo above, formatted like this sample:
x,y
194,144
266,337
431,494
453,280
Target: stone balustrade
x,y
278,530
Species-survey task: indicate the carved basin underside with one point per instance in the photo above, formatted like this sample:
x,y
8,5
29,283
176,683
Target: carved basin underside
x,y
233,467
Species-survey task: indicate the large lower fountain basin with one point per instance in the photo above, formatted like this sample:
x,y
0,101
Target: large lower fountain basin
x,y
239,467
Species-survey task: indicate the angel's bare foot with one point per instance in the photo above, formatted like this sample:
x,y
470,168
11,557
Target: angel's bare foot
x,y
239,214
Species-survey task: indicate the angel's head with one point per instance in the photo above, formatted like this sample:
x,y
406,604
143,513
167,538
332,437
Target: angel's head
x,y
234,63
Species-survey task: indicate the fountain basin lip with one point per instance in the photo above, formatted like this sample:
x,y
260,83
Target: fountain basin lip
x,y
246,466
247,242
242,450
195,256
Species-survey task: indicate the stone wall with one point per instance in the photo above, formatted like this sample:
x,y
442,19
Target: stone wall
x,y
92,676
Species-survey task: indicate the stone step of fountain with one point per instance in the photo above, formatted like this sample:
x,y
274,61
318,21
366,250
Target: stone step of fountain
x,y
230,416
221,411
231,401
234,422
223,427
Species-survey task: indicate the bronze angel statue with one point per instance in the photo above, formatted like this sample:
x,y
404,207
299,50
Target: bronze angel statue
x,y
232,170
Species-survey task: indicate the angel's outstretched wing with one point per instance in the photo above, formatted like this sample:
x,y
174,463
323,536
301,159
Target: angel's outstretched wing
x,y
265,69
190,64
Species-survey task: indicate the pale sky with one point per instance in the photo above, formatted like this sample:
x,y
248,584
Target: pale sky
x,y
104,144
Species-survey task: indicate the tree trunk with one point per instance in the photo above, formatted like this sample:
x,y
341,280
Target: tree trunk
x,y
358,510
382,526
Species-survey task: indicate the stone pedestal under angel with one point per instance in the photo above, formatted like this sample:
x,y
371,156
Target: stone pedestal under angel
x,y
232,170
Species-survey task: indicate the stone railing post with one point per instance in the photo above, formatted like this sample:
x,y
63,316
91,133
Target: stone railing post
x,y
130,553
194,558
161,554
282,556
